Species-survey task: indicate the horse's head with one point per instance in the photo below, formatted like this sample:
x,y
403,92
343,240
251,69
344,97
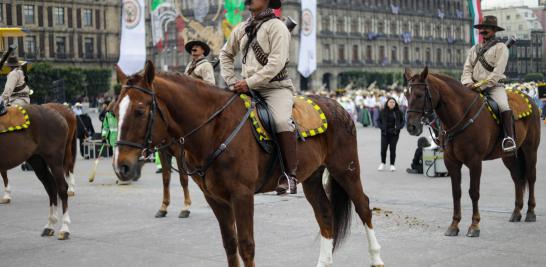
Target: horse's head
x,y
420,102
137,110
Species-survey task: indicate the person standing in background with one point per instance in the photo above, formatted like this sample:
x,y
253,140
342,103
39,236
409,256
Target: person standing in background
x,y
391,121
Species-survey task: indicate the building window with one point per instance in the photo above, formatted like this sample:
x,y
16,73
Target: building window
x,y
428,56
406,54
341,53
1,12
88,46
438,31
87,17
368,26
339,25
30,45
382,53
416,30
28,14
60,43
427,30
417,54
394,54
355,53
459,57
58,15
507,17
394,28
325,24
439,56
354,26
369,53
381,27
327,53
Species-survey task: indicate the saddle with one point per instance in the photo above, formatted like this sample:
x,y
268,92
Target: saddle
x,y
15,119
309,118
518,102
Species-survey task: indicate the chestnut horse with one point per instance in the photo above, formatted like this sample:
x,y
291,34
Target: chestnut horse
x,y
70,152
43,146
473,136
203,118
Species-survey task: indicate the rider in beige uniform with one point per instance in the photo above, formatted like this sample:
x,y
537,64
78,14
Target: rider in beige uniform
x,y
199,68
16,91
479,76
264,60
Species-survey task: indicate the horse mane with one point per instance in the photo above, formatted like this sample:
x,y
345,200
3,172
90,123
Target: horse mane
x,y
448,82
190,83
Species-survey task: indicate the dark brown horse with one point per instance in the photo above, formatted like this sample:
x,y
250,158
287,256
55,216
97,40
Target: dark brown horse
x,y
178,105
457,107
70,152
43,145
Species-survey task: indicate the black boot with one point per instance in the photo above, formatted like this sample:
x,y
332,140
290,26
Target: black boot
x,y
288,145
3,109
508,143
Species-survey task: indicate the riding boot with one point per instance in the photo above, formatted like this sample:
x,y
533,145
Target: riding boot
x,y
3,109
508,143
288,146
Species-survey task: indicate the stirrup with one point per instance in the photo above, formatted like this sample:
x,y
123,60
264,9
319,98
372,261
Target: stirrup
x,y
290,189
508,148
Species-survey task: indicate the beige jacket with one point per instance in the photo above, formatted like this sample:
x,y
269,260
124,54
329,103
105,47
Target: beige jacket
x,y
274,38
15,78
496,56
204,71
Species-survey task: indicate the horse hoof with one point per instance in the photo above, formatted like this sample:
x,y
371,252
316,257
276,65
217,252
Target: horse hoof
x,y
184,214
378,265
161,214
70,193
452,232
531,217
5,201
473,232
48,232
64,235
516,217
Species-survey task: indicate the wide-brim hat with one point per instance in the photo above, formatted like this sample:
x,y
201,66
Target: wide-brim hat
x,y
202,44
13,61
275,4
489,22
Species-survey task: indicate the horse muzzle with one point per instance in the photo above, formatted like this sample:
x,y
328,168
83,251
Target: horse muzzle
x,y
127,171
415,129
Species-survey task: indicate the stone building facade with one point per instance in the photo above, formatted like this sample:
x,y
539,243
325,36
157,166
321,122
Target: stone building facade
x,y
65,32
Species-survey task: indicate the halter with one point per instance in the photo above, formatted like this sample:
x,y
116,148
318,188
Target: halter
x,y
147,148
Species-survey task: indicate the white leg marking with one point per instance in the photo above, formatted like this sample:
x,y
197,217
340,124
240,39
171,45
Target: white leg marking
x,y
373,247
71,182
327,183
7,193
66,222
123,107
326,250
52,218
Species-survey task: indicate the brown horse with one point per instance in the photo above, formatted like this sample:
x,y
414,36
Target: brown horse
x,y
43,145
70,152
473,136
182,107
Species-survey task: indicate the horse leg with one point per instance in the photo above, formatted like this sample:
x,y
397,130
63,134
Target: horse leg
x,y
347,184
71,183
512,163
226,220
6,199
316,196
531,175
42,172
185,212
475,175
243,208
166,174
56,167
454,168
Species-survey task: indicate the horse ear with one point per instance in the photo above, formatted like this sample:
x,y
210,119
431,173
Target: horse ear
x,y
149,71
424,74
408,74
122,78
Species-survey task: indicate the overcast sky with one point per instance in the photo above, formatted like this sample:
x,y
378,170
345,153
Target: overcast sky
x,y
486,4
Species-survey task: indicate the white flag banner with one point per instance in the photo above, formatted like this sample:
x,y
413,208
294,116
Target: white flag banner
x,y
132,50
307,62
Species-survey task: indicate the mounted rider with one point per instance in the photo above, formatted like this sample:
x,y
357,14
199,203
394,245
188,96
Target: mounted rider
x,y
16,90
484,68
264,41
199,68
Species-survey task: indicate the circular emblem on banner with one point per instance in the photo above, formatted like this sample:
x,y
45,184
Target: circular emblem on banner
x,y
307,22
132,13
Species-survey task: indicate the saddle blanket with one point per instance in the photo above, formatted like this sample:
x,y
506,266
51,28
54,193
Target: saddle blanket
x,y
308,116
16,119
518,102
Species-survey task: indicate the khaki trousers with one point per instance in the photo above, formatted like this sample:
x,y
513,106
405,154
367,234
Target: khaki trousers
x,y
280,102
19,101
499,95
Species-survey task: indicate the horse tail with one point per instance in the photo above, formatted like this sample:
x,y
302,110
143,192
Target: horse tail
x,y
341,209
74,150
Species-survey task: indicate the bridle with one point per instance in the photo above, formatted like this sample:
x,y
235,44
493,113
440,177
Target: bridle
x,y
427,111
147,148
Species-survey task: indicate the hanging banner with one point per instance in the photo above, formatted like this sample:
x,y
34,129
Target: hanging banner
x,y
475,10
307,62
161,10
132,51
